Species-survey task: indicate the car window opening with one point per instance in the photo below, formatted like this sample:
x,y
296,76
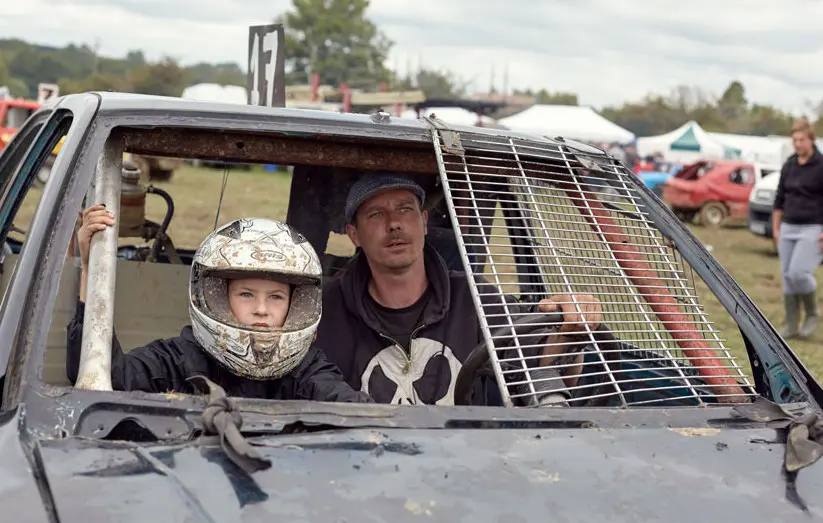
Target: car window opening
x,y
522,229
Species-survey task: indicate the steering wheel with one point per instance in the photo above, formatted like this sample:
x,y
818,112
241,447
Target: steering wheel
x,y
534,328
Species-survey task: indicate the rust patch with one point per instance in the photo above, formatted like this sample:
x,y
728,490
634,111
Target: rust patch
x,y
268,148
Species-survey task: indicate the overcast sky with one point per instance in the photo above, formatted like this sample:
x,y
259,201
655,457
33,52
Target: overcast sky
x,y
607,51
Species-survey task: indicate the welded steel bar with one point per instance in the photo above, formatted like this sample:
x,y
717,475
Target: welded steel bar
x,y
98,322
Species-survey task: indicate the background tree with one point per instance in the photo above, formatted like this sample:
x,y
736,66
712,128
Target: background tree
x,y
79,69
164,78
334,39
733,107
544,97
434,83
17,87
730,112
95,82
223,74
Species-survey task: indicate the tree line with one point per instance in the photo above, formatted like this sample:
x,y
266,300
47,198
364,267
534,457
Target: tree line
x,y
336,40
79,68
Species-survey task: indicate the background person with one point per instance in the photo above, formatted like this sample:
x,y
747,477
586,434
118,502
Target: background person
x,y
798,230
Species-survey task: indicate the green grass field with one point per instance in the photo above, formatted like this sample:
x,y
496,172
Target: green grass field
x,y
196,192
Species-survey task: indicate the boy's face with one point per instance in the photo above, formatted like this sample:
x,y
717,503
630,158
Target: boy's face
x,y
259,303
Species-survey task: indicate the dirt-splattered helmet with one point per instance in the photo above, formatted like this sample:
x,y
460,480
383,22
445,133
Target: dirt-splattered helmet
x,y
255,248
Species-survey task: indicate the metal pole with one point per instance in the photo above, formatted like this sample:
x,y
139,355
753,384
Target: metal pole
x,y
98,323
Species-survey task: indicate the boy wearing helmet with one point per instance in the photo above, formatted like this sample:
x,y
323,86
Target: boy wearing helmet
x,y
254,302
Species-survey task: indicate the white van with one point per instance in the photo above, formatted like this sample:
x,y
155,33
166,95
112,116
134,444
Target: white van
x,y
761,202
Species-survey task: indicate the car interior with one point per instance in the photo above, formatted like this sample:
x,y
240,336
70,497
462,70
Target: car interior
x,y
152,271
153,266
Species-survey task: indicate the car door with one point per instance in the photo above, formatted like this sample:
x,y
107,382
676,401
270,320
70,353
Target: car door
x,y
12,162
734,189
20,162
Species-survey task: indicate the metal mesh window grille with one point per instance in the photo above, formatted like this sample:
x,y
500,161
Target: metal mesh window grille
x,y
536,220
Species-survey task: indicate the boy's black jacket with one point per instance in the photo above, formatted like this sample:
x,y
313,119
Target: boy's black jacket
x,y
164,365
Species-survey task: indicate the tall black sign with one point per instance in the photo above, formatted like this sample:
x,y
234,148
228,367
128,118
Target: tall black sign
x,y
266,77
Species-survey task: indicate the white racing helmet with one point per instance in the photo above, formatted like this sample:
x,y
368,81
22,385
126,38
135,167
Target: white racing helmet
x,y
255,248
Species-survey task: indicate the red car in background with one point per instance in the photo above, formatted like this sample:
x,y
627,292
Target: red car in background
x,y
714,191
12,115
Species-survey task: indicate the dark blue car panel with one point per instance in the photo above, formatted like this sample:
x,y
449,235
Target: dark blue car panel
x,y
632,474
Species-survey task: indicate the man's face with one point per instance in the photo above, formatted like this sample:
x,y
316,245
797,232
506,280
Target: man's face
x,y
390,227
259,303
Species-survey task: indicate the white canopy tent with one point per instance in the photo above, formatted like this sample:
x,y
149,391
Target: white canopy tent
x,y
569,121
773,149
762,149
452,115
236,94
215,93
687,143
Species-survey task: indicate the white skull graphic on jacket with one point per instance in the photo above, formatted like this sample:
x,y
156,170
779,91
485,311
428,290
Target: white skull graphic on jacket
x,y
427,359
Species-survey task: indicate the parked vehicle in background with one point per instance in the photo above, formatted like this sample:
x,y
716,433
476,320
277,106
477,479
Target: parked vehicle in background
x,y
719,194
156,168
13,112
761,204
655,177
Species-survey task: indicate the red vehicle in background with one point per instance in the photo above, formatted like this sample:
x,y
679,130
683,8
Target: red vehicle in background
x,y
12,115
715,191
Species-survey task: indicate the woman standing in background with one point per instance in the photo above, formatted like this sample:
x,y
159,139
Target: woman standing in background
x,y
798,230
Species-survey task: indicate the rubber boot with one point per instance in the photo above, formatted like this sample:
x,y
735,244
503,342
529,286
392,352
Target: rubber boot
x,y
791,303
812,320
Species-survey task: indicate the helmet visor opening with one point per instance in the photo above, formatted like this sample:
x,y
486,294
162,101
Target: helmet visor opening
x,y
210,293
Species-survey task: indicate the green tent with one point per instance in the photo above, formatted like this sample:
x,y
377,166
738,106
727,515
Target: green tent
x,y
730,153
686,142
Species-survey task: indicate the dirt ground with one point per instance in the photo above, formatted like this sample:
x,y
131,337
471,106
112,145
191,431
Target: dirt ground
x,y
750,260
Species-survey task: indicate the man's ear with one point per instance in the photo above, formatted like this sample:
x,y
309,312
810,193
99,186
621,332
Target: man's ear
x,y
425,222
351,231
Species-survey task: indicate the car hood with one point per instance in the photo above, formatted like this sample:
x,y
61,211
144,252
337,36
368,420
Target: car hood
x,y
467,474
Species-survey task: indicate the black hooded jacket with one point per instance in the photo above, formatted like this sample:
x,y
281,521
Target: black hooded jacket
x,y
164,365
800,191
372,362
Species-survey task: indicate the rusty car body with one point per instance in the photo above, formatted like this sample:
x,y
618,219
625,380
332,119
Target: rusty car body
x,y
721,193
675,452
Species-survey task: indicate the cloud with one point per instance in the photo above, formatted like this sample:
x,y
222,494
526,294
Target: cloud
x,y
608,52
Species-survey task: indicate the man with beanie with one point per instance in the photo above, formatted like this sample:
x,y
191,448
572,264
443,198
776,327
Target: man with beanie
x,y
399,323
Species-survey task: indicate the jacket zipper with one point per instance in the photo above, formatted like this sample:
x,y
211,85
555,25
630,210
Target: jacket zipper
x,y
406,356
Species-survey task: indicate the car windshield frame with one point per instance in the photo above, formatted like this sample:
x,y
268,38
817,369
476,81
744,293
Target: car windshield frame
x,y
74,174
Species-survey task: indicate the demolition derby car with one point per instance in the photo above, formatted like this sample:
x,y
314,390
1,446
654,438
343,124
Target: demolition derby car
x,y
680,414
